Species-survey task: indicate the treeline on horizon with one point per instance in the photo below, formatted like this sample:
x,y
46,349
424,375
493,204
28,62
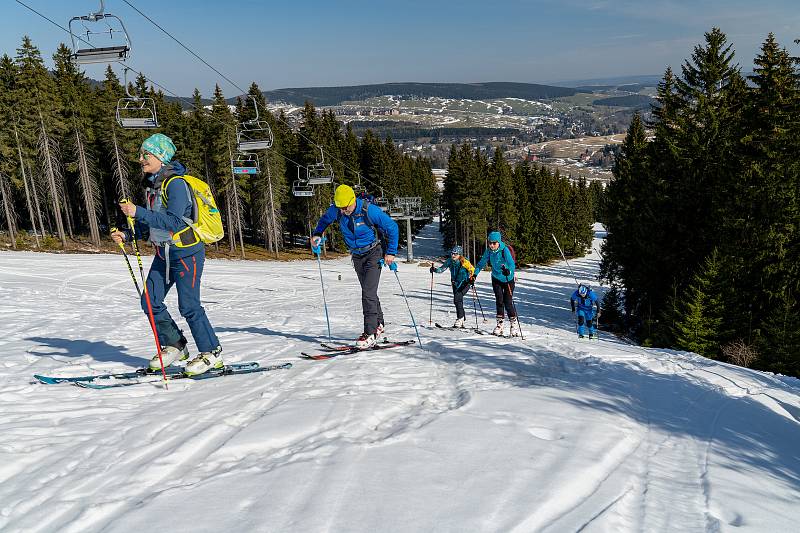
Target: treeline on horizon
x,y
703,212
65,161
527,203
331,96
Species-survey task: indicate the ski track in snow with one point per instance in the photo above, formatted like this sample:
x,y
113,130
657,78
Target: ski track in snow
x,y
466,433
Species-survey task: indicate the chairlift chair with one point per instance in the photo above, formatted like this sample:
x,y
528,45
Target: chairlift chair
x,y
302,188
134,112
319,173
99,54
245,164
397,211
252,135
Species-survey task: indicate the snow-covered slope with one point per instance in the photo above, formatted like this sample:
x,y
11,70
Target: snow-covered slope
x,y
466,433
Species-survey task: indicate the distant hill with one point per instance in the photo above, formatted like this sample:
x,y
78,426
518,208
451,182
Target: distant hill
x,y
650,80
633,100
328,96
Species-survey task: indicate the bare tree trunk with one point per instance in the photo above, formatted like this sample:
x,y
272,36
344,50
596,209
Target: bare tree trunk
x,y
231,239
120,167
36,202
89,188
67,216
48,149
210,181
27,192
275,231
236,202
5,192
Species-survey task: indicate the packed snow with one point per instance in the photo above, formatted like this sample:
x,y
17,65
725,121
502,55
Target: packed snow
x,y
467,432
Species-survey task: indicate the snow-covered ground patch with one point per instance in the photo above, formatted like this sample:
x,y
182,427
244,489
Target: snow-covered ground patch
x,y
465,433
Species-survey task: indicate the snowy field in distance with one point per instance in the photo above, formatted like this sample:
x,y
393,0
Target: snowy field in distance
x,y
466,433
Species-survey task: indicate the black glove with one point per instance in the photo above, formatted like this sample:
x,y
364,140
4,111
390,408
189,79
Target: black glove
x,y
506,272
432,269
472,279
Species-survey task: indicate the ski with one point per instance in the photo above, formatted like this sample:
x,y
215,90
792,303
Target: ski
x,y
464,330
228,370
328,347
133,374
353,349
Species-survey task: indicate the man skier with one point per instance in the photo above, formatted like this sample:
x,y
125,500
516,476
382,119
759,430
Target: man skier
x,y
358,220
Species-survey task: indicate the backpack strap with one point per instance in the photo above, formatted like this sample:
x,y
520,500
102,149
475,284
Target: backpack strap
x,y
505,249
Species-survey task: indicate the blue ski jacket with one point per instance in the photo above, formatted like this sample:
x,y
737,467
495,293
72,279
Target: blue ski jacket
x,y
584,304
161,220
358,229
497,259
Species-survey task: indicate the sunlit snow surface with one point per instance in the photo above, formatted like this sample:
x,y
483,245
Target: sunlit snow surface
x,y
466,433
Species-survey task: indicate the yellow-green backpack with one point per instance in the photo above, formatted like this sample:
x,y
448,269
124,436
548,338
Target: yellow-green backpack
x,y
207,223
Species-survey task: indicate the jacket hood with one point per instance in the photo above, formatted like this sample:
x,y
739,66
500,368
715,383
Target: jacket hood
x,y
495,236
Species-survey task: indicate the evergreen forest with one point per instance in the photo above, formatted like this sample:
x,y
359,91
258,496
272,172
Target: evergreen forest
x,y
65,161
703,212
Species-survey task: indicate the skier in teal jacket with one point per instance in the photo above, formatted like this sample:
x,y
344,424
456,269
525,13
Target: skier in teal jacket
x,y
500,258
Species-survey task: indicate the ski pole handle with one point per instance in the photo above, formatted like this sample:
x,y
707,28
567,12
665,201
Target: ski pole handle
x,y
318,248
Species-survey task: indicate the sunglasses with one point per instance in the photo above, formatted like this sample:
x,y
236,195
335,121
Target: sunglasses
x,y
494,242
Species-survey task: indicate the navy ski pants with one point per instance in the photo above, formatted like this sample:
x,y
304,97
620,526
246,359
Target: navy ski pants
x,y
185,274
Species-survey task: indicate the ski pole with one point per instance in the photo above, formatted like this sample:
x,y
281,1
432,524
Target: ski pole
x,y
565,260
430,316
128,262
317,251
393,268
132,226
516,315
475,309
475,295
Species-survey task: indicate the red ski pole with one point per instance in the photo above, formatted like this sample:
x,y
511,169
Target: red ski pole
x,y
147,296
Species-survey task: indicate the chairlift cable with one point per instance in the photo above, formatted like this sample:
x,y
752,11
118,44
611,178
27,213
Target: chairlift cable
x,y
357,172
189,103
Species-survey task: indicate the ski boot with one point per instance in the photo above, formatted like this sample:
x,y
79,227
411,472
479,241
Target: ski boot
x,y
366,341
459,323
379,331
515,329
170,354
204,362
498,329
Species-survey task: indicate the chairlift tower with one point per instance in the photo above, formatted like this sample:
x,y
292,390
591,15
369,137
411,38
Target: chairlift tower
x,y
408,208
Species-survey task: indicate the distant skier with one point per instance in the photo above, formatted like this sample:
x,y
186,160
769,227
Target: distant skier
x,y
461,271
586,301
499,256
360,221
180,256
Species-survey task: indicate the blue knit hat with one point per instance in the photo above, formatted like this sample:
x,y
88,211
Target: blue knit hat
x,y
495,237
457,250
160,146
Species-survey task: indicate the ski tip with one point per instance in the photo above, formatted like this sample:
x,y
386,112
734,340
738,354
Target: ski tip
x,y
45,379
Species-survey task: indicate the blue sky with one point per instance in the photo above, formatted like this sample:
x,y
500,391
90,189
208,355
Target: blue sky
x,y
348,42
